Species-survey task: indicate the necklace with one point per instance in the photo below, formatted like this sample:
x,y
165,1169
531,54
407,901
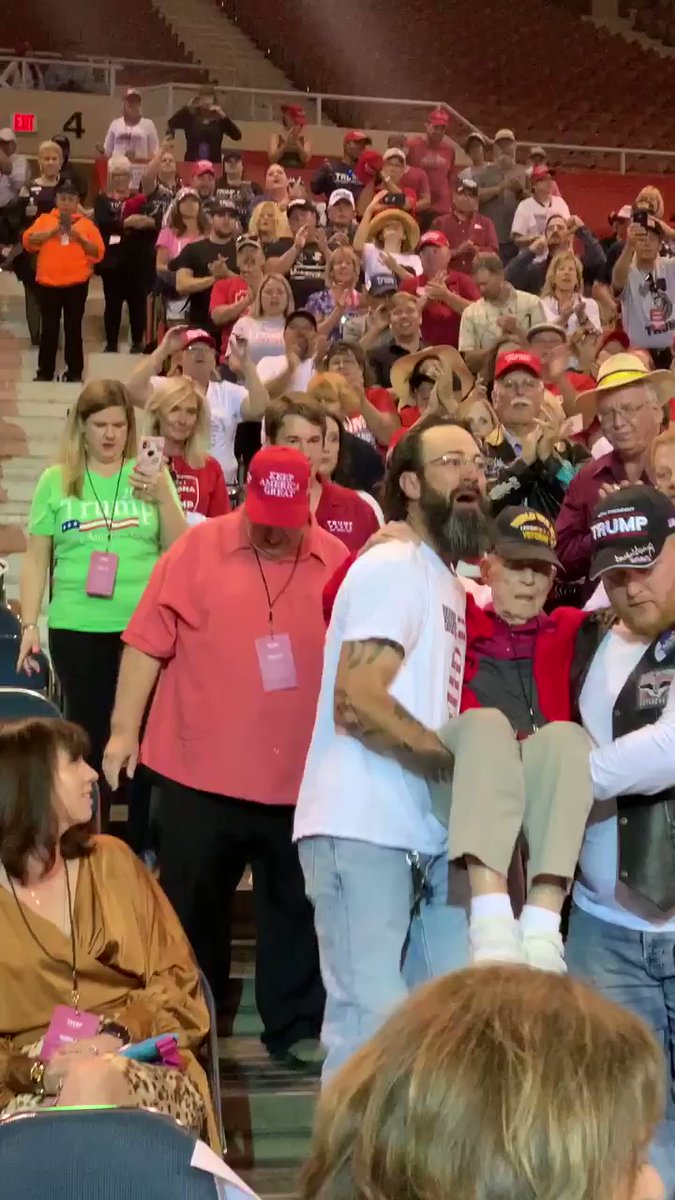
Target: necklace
x,y
75,992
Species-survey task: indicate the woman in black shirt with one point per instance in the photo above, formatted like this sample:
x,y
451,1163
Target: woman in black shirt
x,y
120,272
35,200
204,125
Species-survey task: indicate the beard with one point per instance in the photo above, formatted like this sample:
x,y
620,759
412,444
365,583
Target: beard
x,y
458,530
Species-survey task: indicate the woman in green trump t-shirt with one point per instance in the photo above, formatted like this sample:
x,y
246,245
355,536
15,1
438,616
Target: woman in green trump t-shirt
x,y
106,523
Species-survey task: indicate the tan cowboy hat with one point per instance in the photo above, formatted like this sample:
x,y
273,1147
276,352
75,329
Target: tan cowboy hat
x,y
450,360
412,229
624,370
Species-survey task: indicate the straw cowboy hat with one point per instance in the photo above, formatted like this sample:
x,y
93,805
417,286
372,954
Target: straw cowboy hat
x,y
619,371
410,226
451,362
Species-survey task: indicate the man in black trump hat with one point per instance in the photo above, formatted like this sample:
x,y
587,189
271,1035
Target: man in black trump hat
x,y
622,928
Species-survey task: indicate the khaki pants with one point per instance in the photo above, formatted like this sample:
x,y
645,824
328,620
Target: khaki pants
x,y
501,785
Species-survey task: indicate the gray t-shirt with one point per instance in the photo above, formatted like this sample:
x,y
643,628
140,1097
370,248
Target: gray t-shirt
x,y
648,305
501,209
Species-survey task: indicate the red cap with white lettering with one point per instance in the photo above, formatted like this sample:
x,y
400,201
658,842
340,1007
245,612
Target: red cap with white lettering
x,y
277,491
513,360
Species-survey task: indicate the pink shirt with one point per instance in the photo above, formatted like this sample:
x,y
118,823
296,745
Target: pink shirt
x,y
174,242
212,726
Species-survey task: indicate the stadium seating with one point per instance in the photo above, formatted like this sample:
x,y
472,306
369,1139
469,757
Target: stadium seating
x,y
474,57
122,1153
131,28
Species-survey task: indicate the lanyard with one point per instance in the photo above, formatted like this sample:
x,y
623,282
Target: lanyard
x,y
529,700
108,523
75,992
271,602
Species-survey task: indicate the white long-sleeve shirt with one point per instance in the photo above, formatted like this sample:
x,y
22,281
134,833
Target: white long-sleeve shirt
x,y
642,762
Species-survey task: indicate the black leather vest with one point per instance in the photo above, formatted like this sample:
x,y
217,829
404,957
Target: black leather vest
x,y
646,823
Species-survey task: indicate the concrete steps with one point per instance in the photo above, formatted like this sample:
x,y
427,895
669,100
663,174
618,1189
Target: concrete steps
x,y
213,39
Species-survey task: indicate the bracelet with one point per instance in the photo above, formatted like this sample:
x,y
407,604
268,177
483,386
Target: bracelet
x,y
37,1077
116,1029
29,625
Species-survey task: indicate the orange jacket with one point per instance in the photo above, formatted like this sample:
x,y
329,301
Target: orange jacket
x,y
60,265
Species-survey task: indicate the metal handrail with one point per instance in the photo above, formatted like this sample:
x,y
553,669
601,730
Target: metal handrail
x,y
46,57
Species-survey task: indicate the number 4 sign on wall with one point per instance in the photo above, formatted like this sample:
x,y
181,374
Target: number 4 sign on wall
x,y
74,125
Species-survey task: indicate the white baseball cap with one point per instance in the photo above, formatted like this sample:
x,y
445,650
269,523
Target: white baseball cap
x,y
7,135
394,152
341,194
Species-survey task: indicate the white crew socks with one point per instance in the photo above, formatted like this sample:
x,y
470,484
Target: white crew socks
x,y
485,908
538,922
494,935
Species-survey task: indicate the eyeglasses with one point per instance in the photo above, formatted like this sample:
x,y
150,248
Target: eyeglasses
x,y
459,462
627,412
522,383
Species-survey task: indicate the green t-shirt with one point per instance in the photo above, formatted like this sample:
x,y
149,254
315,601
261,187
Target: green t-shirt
x,y
77,527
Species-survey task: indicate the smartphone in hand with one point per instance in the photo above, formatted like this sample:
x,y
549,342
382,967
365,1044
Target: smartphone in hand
x,y
150,455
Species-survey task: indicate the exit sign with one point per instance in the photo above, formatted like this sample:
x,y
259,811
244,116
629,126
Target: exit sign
x,y
24,123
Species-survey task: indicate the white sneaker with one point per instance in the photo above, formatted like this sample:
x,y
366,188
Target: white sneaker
x,y
495,939
545,952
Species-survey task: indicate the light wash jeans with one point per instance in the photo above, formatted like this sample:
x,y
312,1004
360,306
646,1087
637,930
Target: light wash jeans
x,y
371,952
636,970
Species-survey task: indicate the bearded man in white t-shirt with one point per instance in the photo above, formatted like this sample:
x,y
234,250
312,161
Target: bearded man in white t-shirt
x,y
622,927
374,855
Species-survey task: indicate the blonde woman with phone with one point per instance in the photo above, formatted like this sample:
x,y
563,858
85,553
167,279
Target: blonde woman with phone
x,y
103,520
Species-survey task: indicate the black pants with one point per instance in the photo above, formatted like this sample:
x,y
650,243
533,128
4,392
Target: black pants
x,y
122,284
205,844
86,665
32,312
55,301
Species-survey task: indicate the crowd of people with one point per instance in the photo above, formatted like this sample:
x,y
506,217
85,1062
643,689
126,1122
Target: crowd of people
x,y
419,677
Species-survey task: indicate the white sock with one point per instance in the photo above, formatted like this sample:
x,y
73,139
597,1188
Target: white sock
x,y
535,921
486,908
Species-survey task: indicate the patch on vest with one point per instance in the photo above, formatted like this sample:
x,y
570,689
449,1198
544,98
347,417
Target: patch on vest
x,y
664,646
653,689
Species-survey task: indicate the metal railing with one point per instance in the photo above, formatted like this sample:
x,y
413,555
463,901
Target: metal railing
x,y
623,153
244,103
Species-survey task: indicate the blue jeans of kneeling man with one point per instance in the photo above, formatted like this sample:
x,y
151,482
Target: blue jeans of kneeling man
x,y
636,970
372,951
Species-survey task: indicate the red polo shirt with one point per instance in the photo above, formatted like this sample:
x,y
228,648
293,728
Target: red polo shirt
x,y
574,519
343,513
212,725
440,324
438,164
415,180
474,228
226,291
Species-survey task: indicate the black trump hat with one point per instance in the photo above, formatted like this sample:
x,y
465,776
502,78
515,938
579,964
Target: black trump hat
x,y
629,529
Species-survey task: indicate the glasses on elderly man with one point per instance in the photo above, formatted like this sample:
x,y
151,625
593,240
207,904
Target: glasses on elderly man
x,y
629,412
520,383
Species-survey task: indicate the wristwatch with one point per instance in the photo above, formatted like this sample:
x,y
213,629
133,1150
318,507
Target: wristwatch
x,y
37,1077
116,1029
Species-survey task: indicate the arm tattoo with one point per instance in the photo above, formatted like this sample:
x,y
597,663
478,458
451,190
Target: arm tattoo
x,y
382,724
364,654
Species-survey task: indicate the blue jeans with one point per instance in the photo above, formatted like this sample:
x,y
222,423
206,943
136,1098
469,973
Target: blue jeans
x,y
371,951
636,970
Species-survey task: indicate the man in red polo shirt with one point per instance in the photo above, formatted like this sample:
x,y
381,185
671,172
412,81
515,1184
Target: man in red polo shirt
x,y
444,293
230,630
466,230
434,152
301,424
